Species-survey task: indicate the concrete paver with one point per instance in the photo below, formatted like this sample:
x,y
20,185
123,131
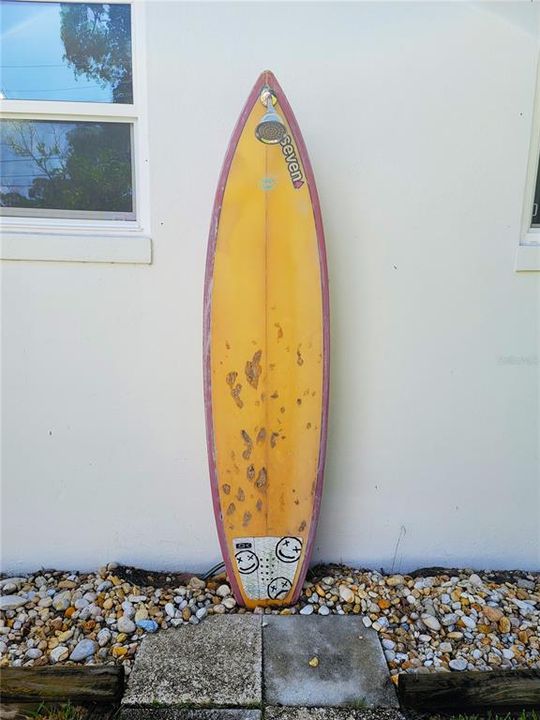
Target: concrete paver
x,y
347,663
215,664
175,713
331,713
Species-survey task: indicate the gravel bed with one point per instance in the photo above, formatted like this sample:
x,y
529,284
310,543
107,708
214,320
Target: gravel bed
x,y
450,621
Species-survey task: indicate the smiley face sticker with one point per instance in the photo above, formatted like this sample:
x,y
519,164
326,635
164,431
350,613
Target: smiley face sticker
x,y
289,549
247,562
278,588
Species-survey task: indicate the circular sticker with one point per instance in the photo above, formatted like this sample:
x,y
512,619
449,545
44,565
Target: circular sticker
x,y
247,562
289,549
278,588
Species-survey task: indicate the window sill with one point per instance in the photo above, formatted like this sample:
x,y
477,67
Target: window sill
x,y
527,258
87,247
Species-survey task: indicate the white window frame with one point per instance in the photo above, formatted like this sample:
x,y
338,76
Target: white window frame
x,y
84,240
527,258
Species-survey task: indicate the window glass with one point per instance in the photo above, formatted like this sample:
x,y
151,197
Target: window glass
x,y
65,51
66,166
535,220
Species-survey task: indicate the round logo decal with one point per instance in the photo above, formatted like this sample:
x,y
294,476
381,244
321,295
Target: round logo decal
x,y
278,588
289,549
247,562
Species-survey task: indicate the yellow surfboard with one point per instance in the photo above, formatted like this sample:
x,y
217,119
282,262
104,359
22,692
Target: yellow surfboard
x,y
266,352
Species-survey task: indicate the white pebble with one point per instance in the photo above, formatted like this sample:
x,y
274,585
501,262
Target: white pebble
x,y
11,602
84,649
450,619
223,591
346,594
431,622
62,600
458,664
59,654
129,610
125,625
170,610
7,582
103,637
34,653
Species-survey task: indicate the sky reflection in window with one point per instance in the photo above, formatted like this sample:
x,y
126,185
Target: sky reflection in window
x,y
65,51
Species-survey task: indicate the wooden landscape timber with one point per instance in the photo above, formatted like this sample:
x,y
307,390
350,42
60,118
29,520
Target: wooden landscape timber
x,y
97,684
470,691
57,711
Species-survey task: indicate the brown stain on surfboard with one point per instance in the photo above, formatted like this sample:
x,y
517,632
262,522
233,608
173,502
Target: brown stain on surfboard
x,y
248,445
253,369
235,389
262,479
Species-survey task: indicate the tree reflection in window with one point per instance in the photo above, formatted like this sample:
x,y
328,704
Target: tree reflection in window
x,y
97,42
66,165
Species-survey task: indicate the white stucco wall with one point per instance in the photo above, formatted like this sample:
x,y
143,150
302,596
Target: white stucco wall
x,y
418,121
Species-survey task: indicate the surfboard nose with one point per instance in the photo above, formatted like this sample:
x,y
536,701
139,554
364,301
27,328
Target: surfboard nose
x,y
267,76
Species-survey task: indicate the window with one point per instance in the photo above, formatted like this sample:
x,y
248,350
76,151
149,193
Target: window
x,y
61,169
72,137
535,217
527,258
528,252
